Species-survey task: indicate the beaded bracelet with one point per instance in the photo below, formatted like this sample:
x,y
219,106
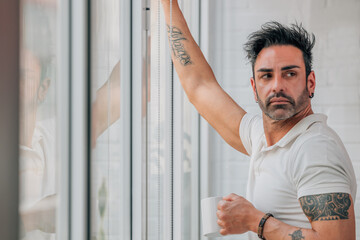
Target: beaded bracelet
x,y
261,225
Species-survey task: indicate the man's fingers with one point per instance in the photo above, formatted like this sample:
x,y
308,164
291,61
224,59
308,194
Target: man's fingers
x,y
220,215
221,204
220,223
223,232
231,197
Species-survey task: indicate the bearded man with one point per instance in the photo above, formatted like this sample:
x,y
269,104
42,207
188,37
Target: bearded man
x,y
301,179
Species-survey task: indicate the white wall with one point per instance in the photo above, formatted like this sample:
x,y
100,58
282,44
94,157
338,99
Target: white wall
x,y
336,24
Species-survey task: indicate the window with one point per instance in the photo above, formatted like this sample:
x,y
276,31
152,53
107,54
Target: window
x,y
110,115
39,162
172,140
76,171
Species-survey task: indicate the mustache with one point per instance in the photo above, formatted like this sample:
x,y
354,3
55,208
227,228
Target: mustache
x,y
277,95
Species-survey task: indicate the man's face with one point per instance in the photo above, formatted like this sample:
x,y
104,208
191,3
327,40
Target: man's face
x,y
280,82
30,80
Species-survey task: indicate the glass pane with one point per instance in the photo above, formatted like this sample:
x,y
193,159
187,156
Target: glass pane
x,y
107,136
190,176
190,144
38,162
159,140
166,216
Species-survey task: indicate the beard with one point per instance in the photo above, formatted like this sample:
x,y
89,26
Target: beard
x,y
283,111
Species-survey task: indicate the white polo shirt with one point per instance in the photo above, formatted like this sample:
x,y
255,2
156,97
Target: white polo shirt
x,y
310,159
38,173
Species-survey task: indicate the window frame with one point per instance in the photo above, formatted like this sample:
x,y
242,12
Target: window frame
x,y
125,112
63,120
79,120
139,33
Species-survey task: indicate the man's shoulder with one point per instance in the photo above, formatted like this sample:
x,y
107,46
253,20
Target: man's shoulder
x,y
318,133
321,139
252,124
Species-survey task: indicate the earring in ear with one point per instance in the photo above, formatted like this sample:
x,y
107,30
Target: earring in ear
x,y
312,95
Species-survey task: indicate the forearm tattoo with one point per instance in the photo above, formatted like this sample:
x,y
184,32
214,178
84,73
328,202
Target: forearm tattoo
x,y
326,207
176,37
297,235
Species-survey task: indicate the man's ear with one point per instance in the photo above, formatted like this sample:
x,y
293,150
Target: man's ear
x,y
311,83
253,85
43,89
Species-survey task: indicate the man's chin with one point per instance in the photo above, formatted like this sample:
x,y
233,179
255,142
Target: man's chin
x,y
280,114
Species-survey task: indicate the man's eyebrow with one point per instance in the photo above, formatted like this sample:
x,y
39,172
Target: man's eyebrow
x,y
265,70
282,69
289,67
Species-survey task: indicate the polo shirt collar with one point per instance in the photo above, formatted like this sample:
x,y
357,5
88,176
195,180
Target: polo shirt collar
x,y
298,129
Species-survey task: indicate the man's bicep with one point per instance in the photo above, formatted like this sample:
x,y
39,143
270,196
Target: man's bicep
x,y
326,207
331,215
221,112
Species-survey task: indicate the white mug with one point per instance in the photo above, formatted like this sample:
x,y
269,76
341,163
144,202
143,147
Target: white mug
x,y
209,217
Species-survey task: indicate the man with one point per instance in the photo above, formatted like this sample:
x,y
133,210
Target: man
x,y
300,173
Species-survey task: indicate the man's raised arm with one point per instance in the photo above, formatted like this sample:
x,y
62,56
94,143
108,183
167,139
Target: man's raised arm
x,y
199,82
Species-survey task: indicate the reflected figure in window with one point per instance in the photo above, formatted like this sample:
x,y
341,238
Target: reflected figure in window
x,y
38,162
37,150
37,144
106,107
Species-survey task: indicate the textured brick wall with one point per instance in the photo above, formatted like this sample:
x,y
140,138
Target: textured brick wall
x,y
336,24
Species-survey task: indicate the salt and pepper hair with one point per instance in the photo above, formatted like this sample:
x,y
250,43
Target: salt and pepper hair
x,y
274,33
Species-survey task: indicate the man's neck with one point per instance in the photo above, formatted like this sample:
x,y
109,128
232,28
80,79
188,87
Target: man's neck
x,y
275,130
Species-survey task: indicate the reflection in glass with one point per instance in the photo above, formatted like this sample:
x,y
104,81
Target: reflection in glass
x,y
38,163
107,198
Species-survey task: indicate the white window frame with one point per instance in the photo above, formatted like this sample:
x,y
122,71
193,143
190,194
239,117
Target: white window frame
x,y
63,120
139,33
79,121
125,113
204,126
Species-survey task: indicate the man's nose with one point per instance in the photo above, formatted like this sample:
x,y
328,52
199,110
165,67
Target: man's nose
x,y
278,83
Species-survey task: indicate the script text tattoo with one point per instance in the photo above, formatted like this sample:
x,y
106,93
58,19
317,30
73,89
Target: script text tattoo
x,y
176,38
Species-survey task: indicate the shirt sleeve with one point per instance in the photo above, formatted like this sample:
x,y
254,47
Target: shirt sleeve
x,y
250,130
319,168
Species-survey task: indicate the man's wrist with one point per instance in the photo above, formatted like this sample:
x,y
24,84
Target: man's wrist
x,y
261,227
254,223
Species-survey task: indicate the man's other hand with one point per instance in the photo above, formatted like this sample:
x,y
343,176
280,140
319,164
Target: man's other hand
x,y
236,215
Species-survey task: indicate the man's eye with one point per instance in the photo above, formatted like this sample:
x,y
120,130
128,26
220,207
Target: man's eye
x,y
268,75
290,74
